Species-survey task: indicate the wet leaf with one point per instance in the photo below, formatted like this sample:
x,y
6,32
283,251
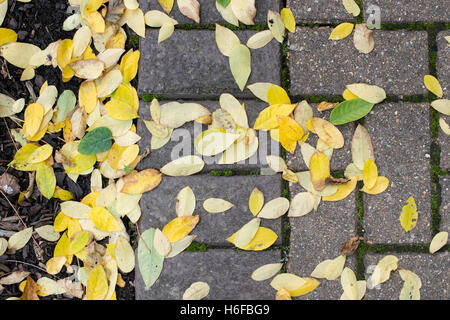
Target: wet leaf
x,y
409,215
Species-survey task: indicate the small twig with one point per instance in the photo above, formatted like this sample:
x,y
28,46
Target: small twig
x,y
10,135
17,213
29,264
30,188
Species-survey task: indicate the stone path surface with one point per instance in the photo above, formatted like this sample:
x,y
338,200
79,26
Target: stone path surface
x,y
410,148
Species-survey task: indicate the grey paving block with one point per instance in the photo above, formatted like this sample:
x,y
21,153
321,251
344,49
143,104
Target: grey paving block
x,y
401,140
182,141
319,11
209,13
319,66
158,206
445,203
189,65
443,73
410,10
341,157
228,274
318,236
432,270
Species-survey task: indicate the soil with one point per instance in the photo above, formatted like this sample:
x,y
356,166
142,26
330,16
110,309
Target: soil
x,y
38,22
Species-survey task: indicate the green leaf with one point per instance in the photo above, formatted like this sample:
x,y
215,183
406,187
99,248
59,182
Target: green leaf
x,y
46,180
224,3
240,64
349,111
96,141
149,261
66,103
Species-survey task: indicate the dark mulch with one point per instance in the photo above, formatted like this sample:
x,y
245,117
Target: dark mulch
x,y
38,22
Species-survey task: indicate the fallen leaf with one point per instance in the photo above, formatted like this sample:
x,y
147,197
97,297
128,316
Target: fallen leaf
x,y
97,284
444,126
409,215
369,93
259,40
301,204
288,19
433,85
438,241
276,163
363,38
196,291
266,271
342,31
30,290
142,181
380,186
161,243
349,284
190,8
245,234
275,208
180,227
183,166
276,25
240,64
124,255
442,105
370,174
216,205
19,239
382,271
411,286
319,167
244,10
103,219
350,246
361,147
175,114
263,239
328,133
351,7
349,111
149,261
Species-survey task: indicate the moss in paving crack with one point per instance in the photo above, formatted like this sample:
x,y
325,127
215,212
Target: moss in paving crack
x,y
133,40
319,99
197,246
149,97
229,173
360,17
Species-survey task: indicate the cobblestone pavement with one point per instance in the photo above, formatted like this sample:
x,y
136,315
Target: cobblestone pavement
x,y
410,148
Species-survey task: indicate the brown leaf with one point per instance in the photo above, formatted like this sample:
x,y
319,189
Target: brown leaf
x,y
350,246
30,290
335,181
326,106
9,184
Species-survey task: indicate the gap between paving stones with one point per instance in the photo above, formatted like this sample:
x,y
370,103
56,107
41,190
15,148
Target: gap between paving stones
x,y
432,30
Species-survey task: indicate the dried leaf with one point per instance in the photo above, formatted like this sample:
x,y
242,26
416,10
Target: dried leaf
x,y
190,8
363,38
350,246
328,133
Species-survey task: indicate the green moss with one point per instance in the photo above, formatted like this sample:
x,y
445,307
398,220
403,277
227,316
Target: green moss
x,y
229,173
149,97
196,246
133,41
360,209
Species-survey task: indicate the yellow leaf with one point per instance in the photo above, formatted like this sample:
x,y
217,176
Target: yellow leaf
x,y
140,182
370,174
129,65
167,5
73,227
81,163
352,7
61,222
256,201
348,95
62,246
341,31
289,281
62,194
343,190
97,284
119,157
319,167
96,21
103,219
381,185
7,35
268,118
33,116
288,19
120,110
263,239
277,95
283,294
438,241
41,154
289,133
93,5
409,215
433,85
87,96
180,227
65,50
309,285
79,242
55,264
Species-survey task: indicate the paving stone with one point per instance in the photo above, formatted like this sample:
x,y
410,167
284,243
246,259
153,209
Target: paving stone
x,y
318,236
319,11
182,142
209,13
341,157
158,206
189,65
319,66
228,274
432,270
445,203
401,140
443,72
410,10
